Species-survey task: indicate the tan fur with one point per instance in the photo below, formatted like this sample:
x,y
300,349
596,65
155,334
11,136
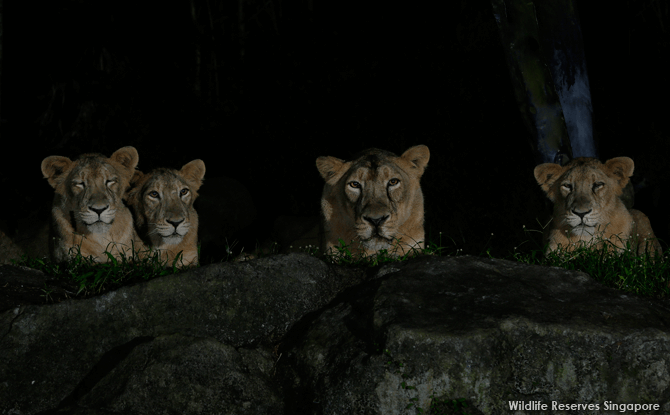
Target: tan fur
x,y
88,211
587,188
162,199
374,202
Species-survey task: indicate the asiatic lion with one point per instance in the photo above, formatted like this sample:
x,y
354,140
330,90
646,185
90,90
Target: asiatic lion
x,y
162,204
374,202
587,206
88,210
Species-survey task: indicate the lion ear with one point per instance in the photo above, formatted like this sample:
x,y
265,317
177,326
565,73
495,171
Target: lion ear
x,y
330,167
54,167
127,157
135,184
137,177
418,156
546,175
194,173
622,168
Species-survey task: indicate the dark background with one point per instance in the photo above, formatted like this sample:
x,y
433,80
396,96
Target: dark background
x,y
289,81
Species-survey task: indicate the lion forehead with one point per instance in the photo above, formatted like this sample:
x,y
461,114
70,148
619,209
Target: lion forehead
x,y
585,173
376,170
389,171
164,180
168,183
96,172
92,171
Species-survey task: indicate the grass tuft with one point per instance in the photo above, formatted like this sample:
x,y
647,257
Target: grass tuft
x,y
95,277
646,275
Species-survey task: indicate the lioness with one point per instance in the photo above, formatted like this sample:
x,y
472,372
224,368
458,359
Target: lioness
x,y
162,204
374,202
88,211
587,207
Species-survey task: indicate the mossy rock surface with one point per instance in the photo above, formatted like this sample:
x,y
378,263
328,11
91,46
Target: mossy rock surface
x,y
490,331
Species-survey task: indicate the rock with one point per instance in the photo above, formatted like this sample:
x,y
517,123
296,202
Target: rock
x,y
153,378
488,331
53,356
22,285
289,334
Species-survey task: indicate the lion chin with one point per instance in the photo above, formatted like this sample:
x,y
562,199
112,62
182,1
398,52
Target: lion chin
x,y
583,231
99,227
173,239
377,242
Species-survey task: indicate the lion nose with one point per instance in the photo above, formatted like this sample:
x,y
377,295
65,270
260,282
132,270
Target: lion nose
x,y
174,223
98,211
376,221
581,214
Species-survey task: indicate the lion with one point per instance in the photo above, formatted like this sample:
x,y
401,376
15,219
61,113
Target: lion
x,y
162,205
373,202
88,214
588,209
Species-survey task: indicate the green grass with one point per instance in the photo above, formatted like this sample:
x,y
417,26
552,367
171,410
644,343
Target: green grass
x,y
94,278
646,275
643,275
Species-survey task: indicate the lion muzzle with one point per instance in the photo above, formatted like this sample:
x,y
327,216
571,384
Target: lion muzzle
x,y
376,229
173,233
376,222
581,214
98,219
175,224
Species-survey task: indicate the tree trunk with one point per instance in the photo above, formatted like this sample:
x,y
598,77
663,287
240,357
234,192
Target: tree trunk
x,y
563,48
545,56
544,50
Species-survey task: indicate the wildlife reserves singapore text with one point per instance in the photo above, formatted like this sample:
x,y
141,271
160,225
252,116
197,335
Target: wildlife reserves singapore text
x,y
606,406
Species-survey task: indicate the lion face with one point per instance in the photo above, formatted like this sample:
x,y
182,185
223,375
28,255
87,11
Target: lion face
x,y
163,205
91,188
586,199
374,197
375,200
88,211
588,194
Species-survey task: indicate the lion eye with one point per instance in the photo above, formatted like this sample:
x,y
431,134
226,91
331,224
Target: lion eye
x,y
111,182
355,185
80,185
153,194
183,192
393,182
567,186
598,185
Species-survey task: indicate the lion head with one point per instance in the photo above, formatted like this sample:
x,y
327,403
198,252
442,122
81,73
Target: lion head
x,y
587,205
162,204
88,210
374,202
